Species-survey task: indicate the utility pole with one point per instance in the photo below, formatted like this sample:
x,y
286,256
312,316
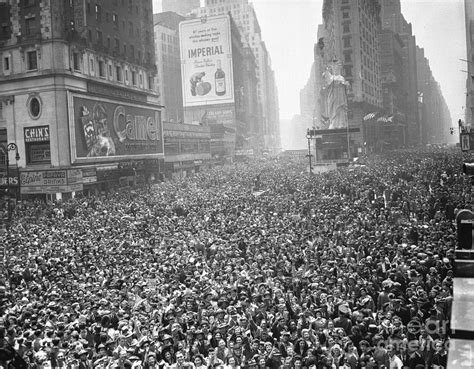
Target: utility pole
x,y
309,136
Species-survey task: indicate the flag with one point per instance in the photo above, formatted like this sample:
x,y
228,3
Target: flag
x,y
390,119
382,119
370,116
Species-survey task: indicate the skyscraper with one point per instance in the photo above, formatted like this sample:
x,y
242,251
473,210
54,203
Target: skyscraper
x,y
245,18
166,27
469,12
182,7
349,35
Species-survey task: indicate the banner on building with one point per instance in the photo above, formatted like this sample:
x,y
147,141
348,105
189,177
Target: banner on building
x,y
206,61
104,130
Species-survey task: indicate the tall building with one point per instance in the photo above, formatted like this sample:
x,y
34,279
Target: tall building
x,y
78,95
349,35
246,20
394,90
469,14
407,117
182,7
417,94
166,27
308,97
435,118
220,87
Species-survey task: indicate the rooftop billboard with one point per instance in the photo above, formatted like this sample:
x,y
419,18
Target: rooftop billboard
x,y
206,61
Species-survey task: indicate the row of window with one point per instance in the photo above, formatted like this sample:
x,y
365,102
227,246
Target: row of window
x,y
31,59
115,46
112,72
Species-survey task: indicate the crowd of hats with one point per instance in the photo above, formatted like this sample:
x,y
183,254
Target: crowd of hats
x,y
342,268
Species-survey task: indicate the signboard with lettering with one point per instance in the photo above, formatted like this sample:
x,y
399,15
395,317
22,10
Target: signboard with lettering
x,y
206,61
105,130
52,189
11,181
43,178
36,134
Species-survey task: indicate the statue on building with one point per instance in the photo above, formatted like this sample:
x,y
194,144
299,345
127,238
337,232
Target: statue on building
x,y
334,96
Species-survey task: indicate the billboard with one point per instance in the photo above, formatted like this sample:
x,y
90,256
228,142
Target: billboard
x,y
206,61
104,130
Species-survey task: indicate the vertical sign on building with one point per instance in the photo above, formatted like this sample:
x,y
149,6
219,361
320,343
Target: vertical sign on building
x,y
206,61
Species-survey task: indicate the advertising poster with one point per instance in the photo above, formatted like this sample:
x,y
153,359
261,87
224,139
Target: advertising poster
x,y
104,130
206,61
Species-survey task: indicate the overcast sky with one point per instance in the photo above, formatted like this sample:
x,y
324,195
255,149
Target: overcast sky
x,y
290,32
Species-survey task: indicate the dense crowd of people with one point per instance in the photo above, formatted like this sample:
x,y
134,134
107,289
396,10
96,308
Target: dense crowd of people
x,y
350,268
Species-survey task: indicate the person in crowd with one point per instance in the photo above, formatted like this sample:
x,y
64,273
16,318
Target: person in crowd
x,y
335,270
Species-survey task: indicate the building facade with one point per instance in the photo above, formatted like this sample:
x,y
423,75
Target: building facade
x,y
187,149
349,37
231,113
78,98
435,118
469,14
166,28
182,7
246,20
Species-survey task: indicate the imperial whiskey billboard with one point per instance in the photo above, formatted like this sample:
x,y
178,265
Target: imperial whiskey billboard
x,y
104,130
206,61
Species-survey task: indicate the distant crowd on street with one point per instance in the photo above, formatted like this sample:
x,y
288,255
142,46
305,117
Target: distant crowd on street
x,y
351,268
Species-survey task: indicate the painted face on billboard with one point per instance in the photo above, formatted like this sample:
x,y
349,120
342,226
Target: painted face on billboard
x,y
105,128
96,133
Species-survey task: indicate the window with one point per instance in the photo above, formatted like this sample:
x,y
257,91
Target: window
x,y
111,76
6,63
118,70
126,76
348,71
101,68
115,20
98,12
141,79
347,56
39,153
347,41
132,51
150,83
134,78
75,61
30,26
117,45
346,28
345,15
34,107
32,61
91,66
89,35
99,38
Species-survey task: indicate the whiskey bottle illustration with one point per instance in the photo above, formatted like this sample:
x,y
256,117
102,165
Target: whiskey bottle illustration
x,y
220,80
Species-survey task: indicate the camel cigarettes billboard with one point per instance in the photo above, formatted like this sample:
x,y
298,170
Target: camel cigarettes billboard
x,y
105,130
206,61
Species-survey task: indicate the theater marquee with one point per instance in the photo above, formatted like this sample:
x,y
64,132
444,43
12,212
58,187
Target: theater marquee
x,y
105,130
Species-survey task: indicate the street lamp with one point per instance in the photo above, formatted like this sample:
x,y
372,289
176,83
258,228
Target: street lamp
x,y
11,147
309,136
